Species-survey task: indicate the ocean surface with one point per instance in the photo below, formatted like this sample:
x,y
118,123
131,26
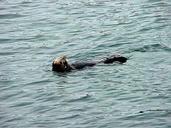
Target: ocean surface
x,y
136,94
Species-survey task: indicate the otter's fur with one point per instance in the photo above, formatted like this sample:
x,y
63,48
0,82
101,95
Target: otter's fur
x,y
61,64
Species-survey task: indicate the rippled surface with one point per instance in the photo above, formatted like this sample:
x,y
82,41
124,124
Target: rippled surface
x,y
134,95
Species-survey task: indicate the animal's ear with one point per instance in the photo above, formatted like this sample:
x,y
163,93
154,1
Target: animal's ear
x,y
63,57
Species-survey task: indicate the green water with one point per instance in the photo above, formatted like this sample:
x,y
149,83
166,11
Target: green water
x,y
136,94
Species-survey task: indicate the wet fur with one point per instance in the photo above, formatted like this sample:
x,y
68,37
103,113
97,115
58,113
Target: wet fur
x,y
61,64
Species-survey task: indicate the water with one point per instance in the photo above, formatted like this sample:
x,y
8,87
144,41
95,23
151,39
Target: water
x,y
134,95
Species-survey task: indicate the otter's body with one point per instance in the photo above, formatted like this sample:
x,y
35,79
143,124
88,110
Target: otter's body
x,y
61,64
81,65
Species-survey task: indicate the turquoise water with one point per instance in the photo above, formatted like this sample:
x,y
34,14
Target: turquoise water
x,y
136,94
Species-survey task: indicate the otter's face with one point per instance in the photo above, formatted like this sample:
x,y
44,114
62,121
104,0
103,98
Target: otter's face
x,y
60,64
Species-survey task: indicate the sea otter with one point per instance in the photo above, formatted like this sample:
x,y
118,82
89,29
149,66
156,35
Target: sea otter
x,y
61,64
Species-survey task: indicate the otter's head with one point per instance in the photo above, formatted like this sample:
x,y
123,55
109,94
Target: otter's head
x,y
60,64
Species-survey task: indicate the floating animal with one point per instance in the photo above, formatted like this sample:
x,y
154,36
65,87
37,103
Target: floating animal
x,y
61,64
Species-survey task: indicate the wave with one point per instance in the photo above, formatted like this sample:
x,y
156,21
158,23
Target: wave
x,y
68,117
10,16
151,48
84,97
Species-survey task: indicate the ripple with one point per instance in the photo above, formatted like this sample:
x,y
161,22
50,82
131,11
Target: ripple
x,y
25,2
151,28
156,110
81,98
152,48
38,82
14,119
9,95
11,16
13,40
136,94
161,20
69,117
22,104
7,53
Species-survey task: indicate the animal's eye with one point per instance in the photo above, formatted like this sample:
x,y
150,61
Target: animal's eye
x,y
60,62
65,63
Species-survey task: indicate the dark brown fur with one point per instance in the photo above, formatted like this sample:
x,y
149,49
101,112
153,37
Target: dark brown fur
x,y
61,64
